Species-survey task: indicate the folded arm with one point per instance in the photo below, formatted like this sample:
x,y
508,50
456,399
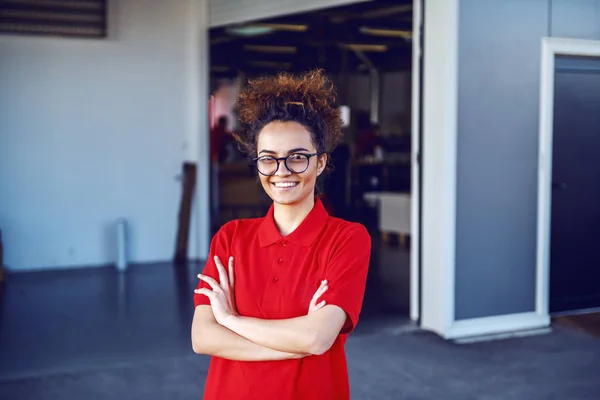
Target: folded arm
x,y
314,333
209,337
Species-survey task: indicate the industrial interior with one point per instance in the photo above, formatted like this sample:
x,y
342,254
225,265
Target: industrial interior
x,y
366,49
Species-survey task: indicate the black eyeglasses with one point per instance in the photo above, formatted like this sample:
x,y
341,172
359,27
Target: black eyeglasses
x,y
296,163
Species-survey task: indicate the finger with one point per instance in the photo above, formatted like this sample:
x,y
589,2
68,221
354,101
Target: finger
x,y
323,283
317,307
231,276
314,300
320,291
211,281
208,293
222,274
316,296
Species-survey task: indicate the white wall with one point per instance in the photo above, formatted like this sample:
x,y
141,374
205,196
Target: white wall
x,y
93,130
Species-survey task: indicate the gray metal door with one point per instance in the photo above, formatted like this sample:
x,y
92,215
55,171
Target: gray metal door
x,y
575,214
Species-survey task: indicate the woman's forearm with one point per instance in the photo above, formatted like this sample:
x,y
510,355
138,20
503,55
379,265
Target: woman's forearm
x,y
211,338
216,340
310,334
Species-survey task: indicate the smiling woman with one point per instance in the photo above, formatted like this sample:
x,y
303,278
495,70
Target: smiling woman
x,y
276,320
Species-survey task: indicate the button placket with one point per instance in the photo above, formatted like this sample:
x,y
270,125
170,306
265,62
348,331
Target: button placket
x,y
280,261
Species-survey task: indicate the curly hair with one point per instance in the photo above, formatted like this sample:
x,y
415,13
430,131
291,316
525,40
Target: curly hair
x,y
307,99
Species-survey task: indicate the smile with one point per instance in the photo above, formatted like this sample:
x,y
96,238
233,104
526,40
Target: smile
x,y
285,185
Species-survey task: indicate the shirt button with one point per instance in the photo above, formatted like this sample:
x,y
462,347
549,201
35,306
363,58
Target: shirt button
x,y
276,279
284,243
280,261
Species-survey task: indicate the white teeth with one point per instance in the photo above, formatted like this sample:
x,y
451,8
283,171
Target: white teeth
x,y
285,184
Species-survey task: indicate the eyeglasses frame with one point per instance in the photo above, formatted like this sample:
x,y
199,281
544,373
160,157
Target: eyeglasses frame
x,y
284,159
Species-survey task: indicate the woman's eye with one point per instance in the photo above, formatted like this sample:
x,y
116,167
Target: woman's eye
x,y
296,157
267,160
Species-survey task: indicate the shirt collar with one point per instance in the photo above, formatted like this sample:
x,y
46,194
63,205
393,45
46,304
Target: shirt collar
x,y
304,234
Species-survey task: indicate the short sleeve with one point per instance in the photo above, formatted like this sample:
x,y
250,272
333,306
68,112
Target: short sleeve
x,y
220,246
347,272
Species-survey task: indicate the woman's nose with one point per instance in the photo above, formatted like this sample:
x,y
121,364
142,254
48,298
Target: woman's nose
x,y
283,170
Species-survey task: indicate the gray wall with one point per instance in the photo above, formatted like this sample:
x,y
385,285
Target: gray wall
x,y
498,106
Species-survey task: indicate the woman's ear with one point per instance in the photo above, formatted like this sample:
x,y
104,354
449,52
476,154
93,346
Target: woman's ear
x,y
321,164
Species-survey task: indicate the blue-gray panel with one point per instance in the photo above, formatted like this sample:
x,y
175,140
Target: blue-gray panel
x,y
576,19
498,106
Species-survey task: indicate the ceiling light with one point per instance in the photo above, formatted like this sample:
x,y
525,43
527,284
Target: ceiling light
x,y
386,32
249,30
271,49
387,11
284,27
378,48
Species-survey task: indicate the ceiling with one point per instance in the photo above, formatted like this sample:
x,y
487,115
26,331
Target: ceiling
x,y
350,39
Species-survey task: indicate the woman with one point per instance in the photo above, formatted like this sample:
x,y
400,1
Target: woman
x,y
276,319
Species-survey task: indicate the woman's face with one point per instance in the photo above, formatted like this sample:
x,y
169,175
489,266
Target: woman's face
x,y
280,139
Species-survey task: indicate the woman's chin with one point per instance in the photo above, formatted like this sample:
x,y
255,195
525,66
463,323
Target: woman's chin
x,y
286,198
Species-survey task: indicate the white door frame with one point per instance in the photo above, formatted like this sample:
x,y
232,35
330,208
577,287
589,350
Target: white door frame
x,y
438,165
197,69
415,200
551,47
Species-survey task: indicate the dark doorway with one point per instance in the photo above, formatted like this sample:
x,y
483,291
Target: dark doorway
x,y
575,214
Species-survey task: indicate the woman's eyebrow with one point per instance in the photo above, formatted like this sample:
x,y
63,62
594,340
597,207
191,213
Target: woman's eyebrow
x,y
297,149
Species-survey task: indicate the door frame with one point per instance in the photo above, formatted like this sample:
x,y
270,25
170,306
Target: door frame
x,y
438,312
415,185
551,47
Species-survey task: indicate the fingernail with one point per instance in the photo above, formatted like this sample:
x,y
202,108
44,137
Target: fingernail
x,y
199,275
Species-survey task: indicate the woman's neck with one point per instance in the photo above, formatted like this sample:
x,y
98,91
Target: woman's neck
x,y
289,217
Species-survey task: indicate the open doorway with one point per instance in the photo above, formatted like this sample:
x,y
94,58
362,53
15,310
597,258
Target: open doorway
x,y
367,50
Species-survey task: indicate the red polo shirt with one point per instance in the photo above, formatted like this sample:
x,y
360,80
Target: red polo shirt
x,y
276,278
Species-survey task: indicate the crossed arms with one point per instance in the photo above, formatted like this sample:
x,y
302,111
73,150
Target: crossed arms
x,y
218,330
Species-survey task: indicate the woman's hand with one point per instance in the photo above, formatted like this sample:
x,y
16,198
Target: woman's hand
x,y
314,306
221,296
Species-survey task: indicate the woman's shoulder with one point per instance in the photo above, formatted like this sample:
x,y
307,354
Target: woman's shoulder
x,y
238,227
348,228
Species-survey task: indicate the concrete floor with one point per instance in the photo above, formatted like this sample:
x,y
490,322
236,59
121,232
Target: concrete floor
x,y
97,334
56,321
383,366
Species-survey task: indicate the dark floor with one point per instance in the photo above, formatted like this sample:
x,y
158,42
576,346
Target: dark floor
x,y
68,320
382,366
97,334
